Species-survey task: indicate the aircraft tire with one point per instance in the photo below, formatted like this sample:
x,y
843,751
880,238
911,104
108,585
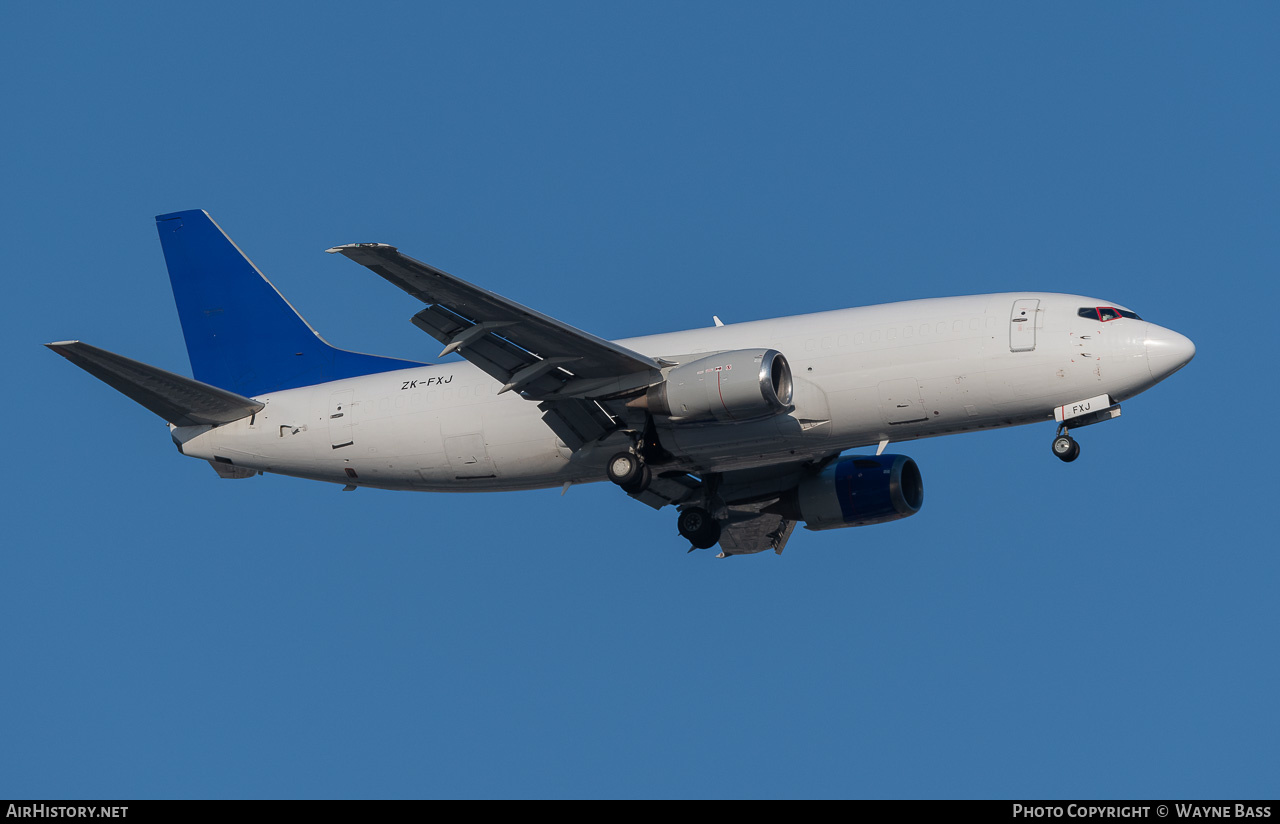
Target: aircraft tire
x,y
625,468
638,484
1065,448
698,527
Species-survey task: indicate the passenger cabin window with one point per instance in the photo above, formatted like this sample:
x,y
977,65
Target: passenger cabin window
x,y
1106,313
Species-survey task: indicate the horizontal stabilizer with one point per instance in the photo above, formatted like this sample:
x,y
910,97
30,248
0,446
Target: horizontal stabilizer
x,y
179,400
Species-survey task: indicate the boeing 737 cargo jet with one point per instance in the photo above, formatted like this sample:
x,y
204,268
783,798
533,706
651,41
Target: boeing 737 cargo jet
x,y
741,427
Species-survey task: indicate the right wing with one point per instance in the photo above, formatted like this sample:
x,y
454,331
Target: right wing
x,y
501,336
566,369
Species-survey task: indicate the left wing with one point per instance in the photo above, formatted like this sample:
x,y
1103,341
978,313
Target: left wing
x,y
545,360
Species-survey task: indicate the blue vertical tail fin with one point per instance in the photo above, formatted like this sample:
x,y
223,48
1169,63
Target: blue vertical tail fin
x,y
242,335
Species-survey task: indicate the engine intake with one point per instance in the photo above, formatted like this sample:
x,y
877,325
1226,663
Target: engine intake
x,y
856,491
740,385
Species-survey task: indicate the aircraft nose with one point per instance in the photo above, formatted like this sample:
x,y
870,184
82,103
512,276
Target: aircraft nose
x,y
1167,351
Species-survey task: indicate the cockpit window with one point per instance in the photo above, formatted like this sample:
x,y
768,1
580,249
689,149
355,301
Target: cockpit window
x,y
1106,313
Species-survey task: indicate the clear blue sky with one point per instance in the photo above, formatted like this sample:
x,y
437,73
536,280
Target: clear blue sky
x,y
1105,628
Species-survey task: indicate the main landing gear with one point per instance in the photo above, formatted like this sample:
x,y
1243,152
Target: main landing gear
x,y
1065,447
698,527
628,471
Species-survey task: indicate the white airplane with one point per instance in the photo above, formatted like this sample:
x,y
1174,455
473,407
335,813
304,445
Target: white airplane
x,y
740,426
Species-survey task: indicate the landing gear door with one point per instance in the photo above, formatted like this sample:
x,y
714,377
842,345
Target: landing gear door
x,y
1022,325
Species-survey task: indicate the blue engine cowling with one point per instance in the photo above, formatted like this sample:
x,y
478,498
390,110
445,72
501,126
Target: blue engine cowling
x,y
860,490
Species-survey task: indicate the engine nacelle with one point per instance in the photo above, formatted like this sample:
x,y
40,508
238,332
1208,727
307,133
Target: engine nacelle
x,y
741,385
856,491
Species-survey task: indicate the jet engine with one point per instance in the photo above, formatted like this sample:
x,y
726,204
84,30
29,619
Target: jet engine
x,y
740,385
855,491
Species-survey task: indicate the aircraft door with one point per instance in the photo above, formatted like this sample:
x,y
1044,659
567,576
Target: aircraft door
x,y
469,456
1023,321
900,401
341,418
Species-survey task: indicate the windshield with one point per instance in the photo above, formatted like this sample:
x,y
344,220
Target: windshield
x,y
1106,313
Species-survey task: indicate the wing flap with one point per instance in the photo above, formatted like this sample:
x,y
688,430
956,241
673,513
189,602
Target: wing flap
x,y
496,356
672,489
577,422
748,530
179,400
499,335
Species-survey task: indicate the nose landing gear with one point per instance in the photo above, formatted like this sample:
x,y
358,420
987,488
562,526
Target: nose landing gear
x,y
1065,447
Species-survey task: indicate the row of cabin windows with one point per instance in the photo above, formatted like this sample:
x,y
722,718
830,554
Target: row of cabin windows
x,y
892,333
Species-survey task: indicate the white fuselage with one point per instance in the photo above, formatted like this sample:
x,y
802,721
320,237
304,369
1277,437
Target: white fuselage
x,y
895,372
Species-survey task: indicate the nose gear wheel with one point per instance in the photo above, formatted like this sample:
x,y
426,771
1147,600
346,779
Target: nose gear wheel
x,y
1065,448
